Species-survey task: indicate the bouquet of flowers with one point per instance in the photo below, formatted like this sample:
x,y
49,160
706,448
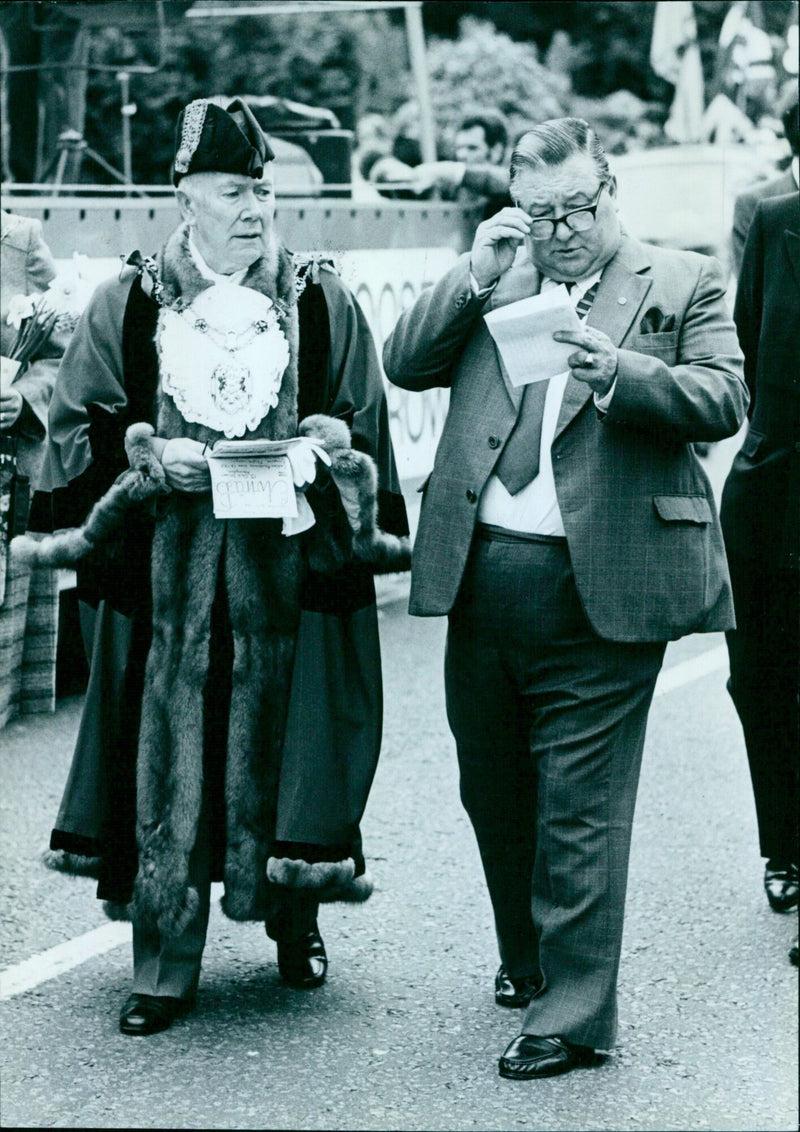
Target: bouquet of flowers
x,y
34,319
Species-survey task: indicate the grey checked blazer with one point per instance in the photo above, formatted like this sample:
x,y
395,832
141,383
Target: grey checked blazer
x,y
638,510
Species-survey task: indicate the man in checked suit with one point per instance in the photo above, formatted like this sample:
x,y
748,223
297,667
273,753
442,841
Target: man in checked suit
x,y
568,534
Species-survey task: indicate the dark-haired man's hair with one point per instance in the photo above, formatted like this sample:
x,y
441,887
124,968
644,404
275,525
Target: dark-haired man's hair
x,y
493,126
553,142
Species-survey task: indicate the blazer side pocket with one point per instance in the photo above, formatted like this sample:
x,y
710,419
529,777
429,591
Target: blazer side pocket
x,y
751,444
683,509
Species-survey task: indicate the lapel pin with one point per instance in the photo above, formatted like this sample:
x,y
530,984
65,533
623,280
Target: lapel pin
x,y
622,300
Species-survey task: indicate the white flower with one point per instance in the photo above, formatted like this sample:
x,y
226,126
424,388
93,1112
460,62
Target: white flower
x,y
20,308
71,290
790,57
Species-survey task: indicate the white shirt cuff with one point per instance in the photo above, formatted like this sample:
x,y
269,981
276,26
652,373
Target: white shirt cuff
x,y
480,292
602,403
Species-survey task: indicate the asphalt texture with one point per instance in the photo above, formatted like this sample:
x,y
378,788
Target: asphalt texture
x,y
405,1033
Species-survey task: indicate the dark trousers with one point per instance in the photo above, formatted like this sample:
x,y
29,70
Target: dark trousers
x,y
764,651
549,722
171,965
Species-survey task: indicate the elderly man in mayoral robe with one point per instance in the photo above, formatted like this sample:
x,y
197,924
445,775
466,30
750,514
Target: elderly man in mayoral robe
x,y
233,718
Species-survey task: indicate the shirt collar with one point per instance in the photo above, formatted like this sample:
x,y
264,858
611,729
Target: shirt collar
x,y
206,271
580,288
796,170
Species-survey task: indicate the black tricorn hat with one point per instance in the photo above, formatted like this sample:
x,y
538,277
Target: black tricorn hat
x,y
209,139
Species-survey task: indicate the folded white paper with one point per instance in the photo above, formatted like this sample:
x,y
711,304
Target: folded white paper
x,y
252,487
523,333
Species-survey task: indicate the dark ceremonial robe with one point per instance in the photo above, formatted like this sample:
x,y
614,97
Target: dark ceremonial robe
x,y
332,733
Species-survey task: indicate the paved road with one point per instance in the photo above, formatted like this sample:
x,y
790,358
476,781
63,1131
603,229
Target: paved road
x,y
405,1035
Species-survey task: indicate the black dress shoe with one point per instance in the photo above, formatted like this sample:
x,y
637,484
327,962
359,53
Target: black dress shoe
x,y
145,1014
781,884
513,992
303,962
530,1056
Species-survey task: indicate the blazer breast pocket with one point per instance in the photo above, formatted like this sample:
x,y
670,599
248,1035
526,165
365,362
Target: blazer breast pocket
x,y
662,345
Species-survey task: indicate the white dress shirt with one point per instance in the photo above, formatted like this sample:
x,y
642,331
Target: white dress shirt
x,y
534,509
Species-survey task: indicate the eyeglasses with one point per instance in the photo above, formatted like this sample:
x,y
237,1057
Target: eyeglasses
x,y
577,220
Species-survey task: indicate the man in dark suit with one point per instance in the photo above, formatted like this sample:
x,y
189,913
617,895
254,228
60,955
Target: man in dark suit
x,y
569,532
745,206
761,522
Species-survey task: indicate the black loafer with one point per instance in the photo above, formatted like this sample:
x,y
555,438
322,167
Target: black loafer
x,y
530,1056
145,1014
303,962
781,885
513,992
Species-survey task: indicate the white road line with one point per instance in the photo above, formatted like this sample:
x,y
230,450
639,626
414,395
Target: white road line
x,y
61,958
693,669
57,960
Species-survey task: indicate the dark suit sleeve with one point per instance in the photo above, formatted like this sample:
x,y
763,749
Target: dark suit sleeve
x,y
426,342
701,395
743,211
749,304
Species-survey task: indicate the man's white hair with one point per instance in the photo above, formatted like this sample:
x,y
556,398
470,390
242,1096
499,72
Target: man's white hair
x,y
196,185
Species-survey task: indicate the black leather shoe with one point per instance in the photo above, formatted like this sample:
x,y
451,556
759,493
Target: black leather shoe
x,y
145,1014
513,992
530,1056
303,962
781,884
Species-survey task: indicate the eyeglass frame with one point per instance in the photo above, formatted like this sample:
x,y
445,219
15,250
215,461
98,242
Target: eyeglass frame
x,y
556,220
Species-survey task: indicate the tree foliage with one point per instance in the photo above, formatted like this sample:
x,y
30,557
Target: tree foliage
x,y
345,62
486,68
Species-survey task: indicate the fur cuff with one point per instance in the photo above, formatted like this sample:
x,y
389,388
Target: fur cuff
x,y
143,480
117,911
356,480
60,861
330,880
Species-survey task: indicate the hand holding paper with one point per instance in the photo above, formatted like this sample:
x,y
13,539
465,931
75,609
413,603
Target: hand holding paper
x,y
595,362
303,458
523,333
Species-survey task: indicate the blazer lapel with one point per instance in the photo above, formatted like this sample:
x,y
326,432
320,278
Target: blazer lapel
x,y
619,298
792,243
520,282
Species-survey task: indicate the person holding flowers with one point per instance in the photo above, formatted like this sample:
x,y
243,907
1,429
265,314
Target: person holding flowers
x,y
31,343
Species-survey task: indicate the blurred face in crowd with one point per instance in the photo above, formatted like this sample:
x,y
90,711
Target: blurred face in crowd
x,y
551,192
471,147
230,215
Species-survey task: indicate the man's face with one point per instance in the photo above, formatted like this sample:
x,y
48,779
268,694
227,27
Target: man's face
x,y
552,191
471,147
232,219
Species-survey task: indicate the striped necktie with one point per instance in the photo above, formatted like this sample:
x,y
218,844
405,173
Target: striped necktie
x,y
519,460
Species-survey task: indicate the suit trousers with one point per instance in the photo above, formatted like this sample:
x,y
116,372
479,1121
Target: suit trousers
x,y
764,652
549,722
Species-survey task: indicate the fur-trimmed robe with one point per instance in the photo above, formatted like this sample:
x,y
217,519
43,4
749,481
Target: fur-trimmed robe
x,y
255,571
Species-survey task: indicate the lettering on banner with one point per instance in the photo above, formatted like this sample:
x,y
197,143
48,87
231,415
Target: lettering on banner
x,y
385,283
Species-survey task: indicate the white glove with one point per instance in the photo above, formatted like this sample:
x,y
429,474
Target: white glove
x,y
302,521
303,458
